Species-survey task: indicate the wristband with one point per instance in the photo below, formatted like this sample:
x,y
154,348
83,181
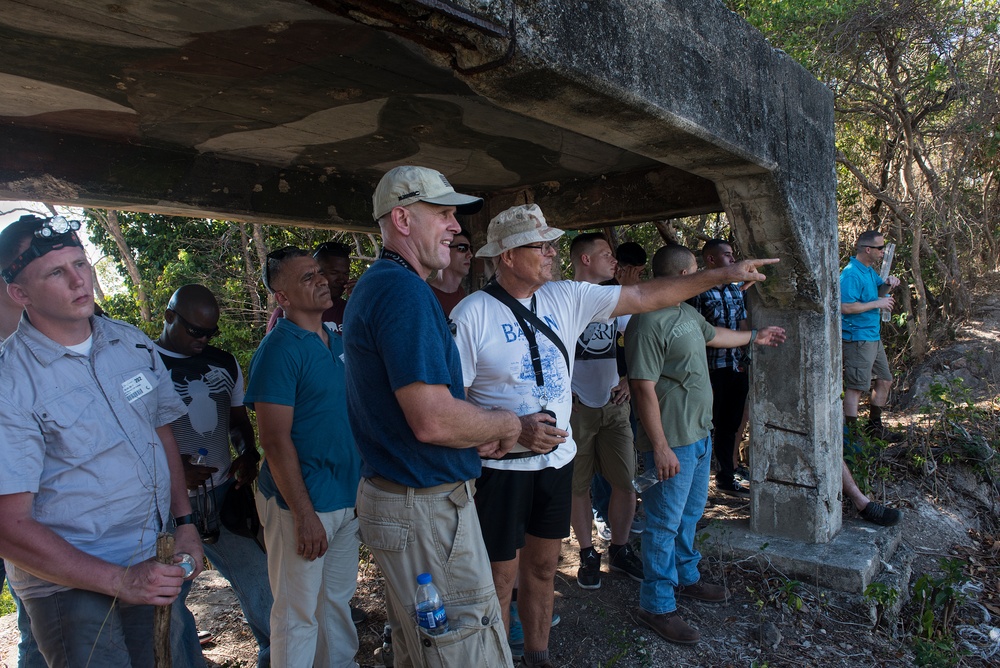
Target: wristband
x,y
183,519
753,335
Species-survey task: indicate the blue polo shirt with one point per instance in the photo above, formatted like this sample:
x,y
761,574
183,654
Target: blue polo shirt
x,y
292,367
396,334
859,283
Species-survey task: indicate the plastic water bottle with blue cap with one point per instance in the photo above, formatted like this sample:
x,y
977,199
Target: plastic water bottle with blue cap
x,y
430,609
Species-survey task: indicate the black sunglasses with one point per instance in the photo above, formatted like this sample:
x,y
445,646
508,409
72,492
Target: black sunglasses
x,y
461,248
876,247
195,332
277,256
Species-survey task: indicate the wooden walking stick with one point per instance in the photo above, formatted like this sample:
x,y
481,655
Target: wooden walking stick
x,y
161,616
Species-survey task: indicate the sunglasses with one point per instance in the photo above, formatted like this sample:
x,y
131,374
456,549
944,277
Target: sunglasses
x,y
276,257
195,332
461,248
876,247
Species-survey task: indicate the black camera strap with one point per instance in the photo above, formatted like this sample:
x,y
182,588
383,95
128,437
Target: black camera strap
x,y
524,317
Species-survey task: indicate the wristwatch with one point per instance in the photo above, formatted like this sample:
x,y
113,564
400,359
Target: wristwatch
x,y
183,519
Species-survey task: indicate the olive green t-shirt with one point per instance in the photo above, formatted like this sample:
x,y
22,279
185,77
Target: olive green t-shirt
x,y
668,346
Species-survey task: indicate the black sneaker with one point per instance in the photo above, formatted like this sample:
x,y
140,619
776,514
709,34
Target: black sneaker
x,y
878,514
588,576
624,560
733,488
743,472
878,431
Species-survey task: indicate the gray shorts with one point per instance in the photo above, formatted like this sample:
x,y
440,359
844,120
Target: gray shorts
x,y
863,361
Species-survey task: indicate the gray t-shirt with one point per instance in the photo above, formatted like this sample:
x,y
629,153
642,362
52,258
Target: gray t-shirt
x,y
668,347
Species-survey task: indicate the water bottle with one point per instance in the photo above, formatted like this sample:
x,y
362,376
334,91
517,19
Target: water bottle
x,y
201,458
645,480
430,610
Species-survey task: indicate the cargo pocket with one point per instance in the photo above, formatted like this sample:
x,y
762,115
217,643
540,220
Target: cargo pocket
x,y
383,535
483,643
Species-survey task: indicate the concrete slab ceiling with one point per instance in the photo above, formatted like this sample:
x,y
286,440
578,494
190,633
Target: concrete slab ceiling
x,y
289,111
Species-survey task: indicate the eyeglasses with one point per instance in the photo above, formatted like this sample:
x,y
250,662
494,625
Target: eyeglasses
x,y
461,248
545,247
196,332
876,247
276,257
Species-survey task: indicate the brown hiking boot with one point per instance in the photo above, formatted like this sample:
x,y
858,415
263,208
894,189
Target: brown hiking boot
x,y
669,626
702,591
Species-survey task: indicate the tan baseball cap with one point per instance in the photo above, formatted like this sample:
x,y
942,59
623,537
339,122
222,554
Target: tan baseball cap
x,y
517,226
407,184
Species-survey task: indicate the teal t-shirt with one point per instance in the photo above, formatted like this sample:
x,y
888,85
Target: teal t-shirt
x,y
668,347
292,367
859,283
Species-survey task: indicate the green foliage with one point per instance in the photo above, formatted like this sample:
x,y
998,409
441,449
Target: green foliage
x,y
937,598
170,251
864,459
883,597
7,605
957,430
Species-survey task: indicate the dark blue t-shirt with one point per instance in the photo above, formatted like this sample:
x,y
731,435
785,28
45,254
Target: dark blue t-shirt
x,y
292,367
395,334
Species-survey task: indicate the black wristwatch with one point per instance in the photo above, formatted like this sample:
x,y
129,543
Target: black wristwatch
x,y
183,519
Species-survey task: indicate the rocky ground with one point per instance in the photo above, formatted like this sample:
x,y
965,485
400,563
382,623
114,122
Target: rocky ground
x,y
950,510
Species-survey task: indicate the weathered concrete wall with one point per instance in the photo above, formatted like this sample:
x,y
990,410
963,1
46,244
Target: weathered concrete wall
x,y
691,85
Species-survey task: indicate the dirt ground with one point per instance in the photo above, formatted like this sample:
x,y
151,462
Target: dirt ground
x,y
949,511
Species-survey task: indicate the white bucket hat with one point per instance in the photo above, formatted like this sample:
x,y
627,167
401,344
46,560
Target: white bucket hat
x,y
517,226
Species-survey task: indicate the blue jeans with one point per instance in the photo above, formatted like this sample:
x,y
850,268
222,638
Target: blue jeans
x,y
241,561
673,508
83,628
28,655
600,497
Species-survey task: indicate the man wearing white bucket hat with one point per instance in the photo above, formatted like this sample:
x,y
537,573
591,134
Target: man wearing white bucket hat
x,y
513,337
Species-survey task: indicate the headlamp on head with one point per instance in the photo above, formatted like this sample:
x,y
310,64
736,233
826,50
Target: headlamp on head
x,y
55,226
52,234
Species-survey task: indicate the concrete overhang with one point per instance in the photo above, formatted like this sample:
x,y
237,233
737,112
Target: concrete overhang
x,y
288,111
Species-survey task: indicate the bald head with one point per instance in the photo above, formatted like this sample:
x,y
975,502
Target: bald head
x,y
674,260
192,297
190,321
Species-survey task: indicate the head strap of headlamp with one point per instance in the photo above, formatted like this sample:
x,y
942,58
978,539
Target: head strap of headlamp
x,y
52,234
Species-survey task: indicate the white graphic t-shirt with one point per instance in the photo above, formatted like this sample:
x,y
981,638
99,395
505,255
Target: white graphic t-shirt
x,y
496,364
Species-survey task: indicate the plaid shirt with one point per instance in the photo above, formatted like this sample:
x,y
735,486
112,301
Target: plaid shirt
x,y
723,307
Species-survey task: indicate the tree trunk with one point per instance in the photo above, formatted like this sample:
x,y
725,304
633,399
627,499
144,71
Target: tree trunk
x,y
109,219
250,276
261,247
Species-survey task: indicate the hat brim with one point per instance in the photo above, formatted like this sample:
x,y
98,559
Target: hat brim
x,y
464,204
494,248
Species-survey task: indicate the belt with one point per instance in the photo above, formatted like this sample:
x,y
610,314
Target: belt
x,y
529,453
396,488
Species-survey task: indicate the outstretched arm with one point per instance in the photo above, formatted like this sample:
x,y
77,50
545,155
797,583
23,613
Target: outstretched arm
x,y
728,338
672,290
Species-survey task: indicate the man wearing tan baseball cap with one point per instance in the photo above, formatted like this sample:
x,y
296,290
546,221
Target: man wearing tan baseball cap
x,y
524,498
420,441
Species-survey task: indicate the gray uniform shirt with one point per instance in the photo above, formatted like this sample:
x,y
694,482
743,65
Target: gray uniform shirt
x,y
79,433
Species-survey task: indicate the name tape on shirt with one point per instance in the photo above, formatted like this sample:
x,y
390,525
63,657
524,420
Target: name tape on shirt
x,y
135,387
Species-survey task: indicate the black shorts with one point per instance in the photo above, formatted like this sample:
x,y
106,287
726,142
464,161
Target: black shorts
x,y
513,503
